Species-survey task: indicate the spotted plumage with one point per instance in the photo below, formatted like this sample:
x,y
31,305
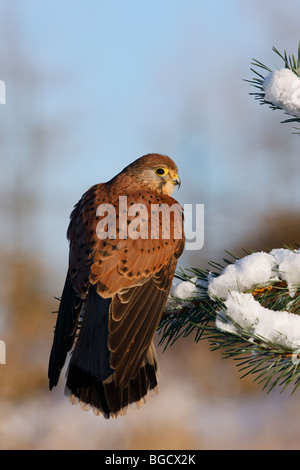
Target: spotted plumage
x,y
119,284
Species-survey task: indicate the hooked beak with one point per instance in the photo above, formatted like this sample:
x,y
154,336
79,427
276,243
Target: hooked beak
x,y
176,180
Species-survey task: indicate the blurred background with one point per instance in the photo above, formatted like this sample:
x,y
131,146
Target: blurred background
x,y
92,85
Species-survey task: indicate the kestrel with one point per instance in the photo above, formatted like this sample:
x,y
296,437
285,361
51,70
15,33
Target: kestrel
x,y
122,261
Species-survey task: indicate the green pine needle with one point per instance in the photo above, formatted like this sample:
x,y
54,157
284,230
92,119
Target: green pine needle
x,y
290,62
271,364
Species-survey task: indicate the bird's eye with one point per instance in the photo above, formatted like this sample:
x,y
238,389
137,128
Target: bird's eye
x,y
161,171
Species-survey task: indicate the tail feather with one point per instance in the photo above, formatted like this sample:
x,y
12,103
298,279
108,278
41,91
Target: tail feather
x,y
90,378
65,331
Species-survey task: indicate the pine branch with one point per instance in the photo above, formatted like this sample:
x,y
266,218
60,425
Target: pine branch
x,y
285,100
273,359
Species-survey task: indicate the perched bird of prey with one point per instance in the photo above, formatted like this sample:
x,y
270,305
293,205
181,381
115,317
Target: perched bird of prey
x,y
122,261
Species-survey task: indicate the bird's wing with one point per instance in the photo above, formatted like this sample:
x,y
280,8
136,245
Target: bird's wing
x,y
136,273
134,318
114,264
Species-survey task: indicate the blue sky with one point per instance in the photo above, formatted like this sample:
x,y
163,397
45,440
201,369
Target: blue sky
x,y
128,67
119,79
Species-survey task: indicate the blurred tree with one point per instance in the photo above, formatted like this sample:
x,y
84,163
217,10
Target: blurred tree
x,y
24,146
276,230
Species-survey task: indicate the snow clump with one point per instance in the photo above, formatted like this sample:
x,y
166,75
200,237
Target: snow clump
x,y
243,311
282,89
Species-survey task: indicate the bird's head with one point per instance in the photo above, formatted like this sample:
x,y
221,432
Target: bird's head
x,y
155,172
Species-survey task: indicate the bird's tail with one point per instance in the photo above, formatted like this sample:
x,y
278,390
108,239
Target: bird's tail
x,y
90,379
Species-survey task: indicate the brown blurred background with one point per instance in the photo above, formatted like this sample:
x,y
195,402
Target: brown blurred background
x,y
90,87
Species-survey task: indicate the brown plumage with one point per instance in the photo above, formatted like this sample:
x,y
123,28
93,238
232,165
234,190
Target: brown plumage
x,y
119,284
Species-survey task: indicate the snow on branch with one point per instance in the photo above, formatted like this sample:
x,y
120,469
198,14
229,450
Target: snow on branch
x,y
250,306
236,285
248,309
280,89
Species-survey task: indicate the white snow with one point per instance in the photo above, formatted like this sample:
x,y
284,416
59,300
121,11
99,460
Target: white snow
x,y
288,267
182,291
185,289
282,89
258,269
246,272
246,313
279,327
243,311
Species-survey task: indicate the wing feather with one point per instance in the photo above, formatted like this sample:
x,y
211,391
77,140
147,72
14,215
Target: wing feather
x,y
136,273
